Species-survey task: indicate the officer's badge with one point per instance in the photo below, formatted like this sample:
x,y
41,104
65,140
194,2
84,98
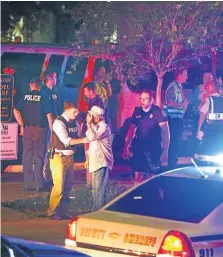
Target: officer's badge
x,y
151,115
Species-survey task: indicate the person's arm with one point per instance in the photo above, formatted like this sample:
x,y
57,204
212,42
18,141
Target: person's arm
x,y
48,110
50,120
18,117
130,135
108,87
201,121
98,134
203,114
60,129
161,118
165,134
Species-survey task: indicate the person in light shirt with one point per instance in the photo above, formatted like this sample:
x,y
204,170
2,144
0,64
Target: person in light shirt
x,y
210,127
100,156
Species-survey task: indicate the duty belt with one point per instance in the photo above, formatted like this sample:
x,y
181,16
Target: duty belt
x,y
173,112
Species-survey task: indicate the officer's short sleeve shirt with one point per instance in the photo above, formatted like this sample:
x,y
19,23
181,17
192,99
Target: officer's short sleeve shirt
x,y
147,123
53,100
20,104
154,113
47,107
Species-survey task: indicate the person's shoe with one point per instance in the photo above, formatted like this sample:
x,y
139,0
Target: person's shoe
x,y
66,217
43,189
55,217
27,189
48,183
62,217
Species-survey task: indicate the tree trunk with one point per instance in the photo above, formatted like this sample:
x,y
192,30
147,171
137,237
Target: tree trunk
x,y
158,89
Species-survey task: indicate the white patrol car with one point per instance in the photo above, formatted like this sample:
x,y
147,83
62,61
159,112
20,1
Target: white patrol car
x,y
178,213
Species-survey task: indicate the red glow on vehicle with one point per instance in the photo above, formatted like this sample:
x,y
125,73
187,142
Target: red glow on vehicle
x,y
176,244
72,229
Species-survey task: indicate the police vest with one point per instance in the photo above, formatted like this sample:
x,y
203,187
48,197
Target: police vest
x,y
72,131
215,115
174,112
33,112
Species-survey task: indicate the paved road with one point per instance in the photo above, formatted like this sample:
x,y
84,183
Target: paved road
x,y
43,230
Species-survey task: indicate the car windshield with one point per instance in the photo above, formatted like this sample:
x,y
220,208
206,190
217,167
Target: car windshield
x,y
172,198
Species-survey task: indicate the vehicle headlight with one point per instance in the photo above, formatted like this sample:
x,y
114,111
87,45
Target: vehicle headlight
x,y
218,159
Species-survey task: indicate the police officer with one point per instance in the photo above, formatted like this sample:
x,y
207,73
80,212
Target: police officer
x,y
49,90
64,137
149,128
32,113
175,105
210,127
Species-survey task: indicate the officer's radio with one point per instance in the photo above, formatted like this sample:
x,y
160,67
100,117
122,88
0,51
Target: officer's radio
x,y
50,152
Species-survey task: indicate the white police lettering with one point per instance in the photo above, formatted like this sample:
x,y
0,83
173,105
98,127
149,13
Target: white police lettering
x,y
72,130
35,98
54,97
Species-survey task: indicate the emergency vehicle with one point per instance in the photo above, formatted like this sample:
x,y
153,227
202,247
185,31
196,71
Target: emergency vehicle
x,y
177,213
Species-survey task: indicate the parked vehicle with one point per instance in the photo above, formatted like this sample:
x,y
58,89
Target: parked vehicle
x,y
177,213
15,247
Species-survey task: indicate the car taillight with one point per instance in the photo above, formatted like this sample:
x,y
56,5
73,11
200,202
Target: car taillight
x,y
72,228
176,244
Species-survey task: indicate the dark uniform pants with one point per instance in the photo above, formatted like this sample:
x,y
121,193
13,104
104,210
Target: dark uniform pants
x,y
62,168
34,144
176,132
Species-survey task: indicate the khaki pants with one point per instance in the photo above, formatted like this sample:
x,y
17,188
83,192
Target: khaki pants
x,y
62,173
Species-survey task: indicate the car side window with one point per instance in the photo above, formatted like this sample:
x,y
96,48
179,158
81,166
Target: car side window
x,y
73,77
173,198
55,64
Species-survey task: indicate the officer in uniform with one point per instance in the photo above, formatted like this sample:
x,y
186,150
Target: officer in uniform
x,y
149,128
32,113
175,105
49,90
64,137
210,128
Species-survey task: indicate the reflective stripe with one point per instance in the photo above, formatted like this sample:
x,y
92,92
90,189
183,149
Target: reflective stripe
x,y
212,105
215,116
173,112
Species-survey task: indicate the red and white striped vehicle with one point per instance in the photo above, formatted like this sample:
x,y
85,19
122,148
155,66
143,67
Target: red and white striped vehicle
x,y
178,213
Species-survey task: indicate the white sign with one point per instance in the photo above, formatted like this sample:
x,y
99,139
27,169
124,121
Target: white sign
x,y
9,141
